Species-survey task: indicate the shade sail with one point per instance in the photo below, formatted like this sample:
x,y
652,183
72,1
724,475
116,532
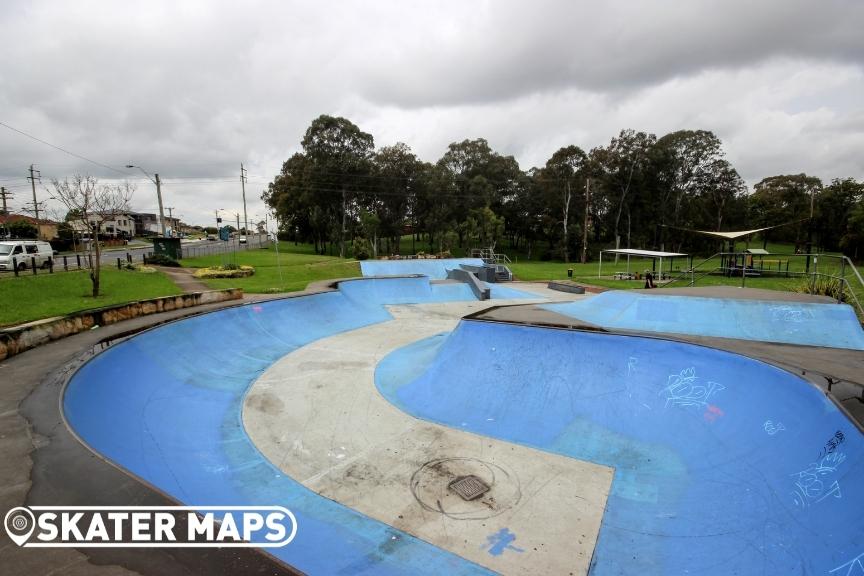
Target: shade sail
x,y
645,253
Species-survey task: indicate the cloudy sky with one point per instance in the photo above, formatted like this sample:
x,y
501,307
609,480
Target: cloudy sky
x,y
192,89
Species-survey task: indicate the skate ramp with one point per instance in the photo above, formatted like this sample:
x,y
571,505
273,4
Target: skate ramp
x,y
166,406
723,464
435,269
787,322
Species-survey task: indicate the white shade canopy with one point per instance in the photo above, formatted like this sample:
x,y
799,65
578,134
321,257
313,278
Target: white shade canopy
x,y
640,253
645,253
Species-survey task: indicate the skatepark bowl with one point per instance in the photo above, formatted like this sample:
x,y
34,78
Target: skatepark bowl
x,y
366,409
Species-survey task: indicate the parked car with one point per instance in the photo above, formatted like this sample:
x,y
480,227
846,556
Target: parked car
x,y
242,239
23,252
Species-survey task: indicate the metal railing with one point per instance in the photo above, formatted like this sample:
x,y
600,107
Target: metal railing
x,y
491,258
224,247
694,274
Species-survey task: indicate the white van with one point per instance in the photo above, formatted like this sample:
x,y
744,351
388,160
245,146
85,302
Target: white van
x,y
23,252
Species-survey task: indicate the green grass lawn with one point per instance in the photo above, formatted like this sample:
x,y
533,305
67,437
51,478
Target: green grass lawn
x,y
300,265
28,297
295,268
587,273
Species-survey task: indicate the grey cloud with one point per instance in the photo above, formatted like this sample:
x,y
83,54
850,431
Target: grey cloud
x,y
189,90
508,51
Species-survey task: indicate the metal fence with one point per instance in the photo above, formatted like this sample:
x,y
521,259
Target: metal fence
x,y
225,247
807,268
118,258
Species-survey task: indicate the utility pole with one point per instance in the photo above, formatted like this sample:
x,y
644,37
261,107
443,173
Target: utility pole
x,y
171,219
159,196
809,247
5,196
243,184
585,227
32,179
237,214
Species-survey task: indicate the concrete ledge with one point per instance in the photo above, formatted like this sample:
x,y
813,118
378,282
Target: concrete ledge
x,y
26,336
484,273
566,287
481,292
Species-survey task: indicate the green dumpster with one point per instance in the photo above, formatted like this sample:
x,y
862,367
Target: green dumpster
x,y
167,246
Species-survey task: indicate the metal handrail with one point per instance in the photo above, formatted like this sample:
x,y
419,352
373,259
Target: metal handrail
x,y
490,257
846,287
845,258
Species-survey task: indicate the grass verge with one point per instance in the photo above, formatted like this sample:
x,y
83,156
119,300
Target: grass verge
x,y
292,270
29,298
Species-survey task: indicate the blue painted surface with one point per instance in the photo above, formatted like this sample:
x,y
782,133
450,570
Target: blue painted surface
x,y
501,541
418,291
723,465
499,291
166,405
435,269
832,325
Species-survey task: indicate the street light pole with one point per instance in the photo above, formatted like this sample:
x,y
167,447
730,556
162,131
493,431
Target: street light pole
x,y
243,184
158,195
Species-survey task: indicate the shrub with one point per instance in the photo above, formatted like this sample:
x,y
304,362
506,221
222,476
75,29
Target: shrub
x,y
137,268
163,260
225,272
361,248
822,286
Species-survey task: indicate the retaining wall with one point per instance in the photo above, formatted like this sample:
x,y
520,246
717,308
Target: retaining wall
x,y
26,336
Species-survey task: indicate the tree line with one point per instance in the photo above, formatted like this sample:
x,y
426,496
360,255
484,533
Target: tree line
x,y
638,191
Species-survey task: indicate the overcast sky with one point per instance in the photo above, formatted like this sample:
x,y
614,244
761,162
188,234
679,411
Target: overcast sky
x,y
192,89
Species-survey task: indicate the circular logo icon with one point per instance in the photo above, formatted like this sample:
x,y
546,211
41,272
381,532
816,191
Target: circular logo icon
x,y
19,524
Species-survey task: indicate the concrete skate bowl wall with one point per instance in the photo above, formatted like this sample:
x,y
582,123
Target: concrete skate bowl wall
x,y
831,325
723,464
166,406
433,268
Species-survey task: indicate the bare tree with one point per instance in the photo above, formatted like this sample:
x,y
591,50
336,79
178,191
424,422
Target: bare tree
x,y
96,204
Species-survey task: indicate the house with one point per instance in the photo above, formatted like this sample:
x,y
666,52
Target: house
x,y
46,228
147,224
119,225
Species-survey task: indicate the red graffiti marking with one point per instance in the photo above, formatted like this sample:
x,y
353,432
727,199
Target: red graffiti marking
x,y
713,413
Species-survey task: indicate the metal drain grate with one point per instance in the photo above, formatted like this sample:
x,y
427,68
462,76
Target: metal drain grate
x,y
468,487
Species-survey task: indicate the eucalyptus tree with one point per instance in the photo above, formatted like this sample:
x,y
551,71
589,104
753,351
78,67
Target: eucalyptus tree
x,y
563,179
624,163
784,199
398,176
835,205
339,156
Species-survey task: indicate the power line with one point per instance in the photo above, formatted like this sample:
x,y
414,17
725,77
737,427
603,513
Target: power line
x,y
59,148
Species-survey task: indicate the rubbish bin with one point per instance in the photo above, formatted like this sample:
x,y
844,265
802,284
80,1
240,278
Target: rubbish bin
x,y
569,272
168,247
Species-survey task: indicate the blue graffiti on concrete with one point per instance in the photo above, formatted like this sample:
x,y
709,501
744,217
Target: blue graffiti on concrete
x,y
500,541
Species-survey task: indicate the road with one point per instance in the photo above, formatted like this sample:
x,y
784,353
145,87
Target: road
x,y
190,248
